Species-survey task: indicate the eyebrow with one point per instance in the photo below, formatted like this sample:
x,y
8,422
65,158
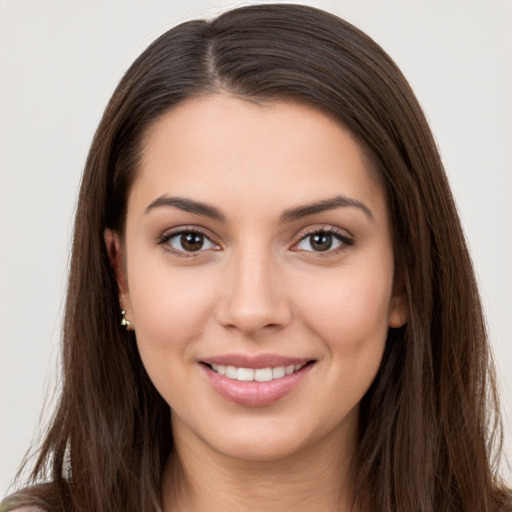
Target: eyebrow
x,y
187,205
290,215
339,201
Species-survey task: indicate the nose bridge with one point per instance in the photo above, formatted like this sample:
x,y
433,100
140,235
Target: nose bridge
x,y
255,298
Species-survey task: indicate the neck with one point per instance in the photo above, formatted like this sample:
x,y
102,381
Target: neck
x,y
198,478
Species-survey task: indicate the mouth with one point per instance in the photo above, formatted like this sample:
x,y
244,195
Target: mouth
x,y
256,382
256,374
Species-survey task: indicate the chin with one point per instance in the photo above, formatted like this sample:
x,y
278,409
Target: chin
x,y
260,450
273,439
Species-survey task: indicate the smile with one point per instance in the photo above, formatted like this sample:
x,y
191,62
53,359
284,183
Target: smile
x,y
255,374
255,381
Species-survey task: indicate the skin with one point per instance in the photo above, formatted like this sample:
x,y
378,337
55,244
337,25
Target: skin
x,y
258,285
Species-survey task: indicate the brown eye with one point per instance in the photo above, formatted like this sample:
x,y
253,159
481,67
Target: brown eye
x,y
190,241
324,241
321,241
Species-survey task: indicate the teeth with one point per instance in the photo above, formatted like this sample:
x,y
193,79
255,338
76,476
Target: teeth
x,y
219,368
255,374
245,374
278,372
263,374
231,372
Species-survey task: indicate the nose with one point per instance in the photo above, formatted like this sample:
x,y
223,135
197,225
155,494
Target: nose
x,y
254,297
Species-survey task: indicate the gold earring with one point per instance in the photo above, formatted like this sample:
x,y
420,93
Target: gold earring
x,y
124,321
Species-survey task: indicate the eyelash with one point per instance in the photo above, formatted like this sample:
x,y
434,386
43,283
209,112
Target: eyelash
x,y
343,239
166,237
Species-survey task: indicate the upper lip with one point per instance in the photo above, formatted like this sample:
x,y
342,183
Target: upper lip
x,y
254,361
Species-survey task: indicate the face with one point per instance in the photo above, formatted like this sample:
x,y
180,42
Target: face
x,y
258,274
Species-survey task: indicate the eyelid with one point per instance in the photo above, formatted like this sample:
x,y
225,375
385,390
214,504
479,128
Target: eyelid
x,y
338,233
180,230
342,236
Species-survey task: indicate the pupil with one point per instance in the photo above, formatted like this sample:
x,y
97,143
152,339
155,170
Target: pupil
x,y
321,242
192,241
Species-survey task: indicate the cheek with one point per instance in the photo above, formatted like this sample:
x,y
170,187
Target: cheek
x,y
348,310
349,320
171,310
170,306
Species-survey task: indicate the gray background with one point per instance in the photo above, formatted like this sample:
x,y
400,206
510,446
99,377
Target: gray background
x,y
59,63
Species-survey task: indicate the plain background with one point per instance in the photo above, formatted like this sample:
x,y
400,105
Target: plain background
x,y
59,63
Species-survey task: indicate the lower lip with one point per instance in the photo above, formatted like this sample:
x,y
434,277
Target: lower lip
x,y
255,394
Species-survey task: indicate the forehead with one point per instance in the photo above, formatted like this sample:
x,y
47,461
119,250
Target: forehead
x,y
219,146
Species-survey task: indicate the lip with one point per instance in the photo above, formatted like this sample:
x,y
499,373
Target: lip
x,y
254,361
255,394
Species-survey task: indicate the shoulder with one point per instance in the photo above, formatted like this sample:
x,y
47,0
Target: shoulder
x,y
42,497
28,509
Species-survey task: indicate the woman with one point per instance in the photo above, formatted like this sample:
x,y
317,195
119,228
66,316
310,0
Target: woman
x,y
300,328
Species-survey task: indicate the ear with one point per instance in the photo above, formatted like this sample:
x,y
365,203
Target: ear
x,y
399,311
115,255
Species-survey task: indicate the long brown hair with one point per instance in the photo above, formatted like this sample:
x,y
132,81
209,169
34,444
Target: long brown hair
x,y
429,424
